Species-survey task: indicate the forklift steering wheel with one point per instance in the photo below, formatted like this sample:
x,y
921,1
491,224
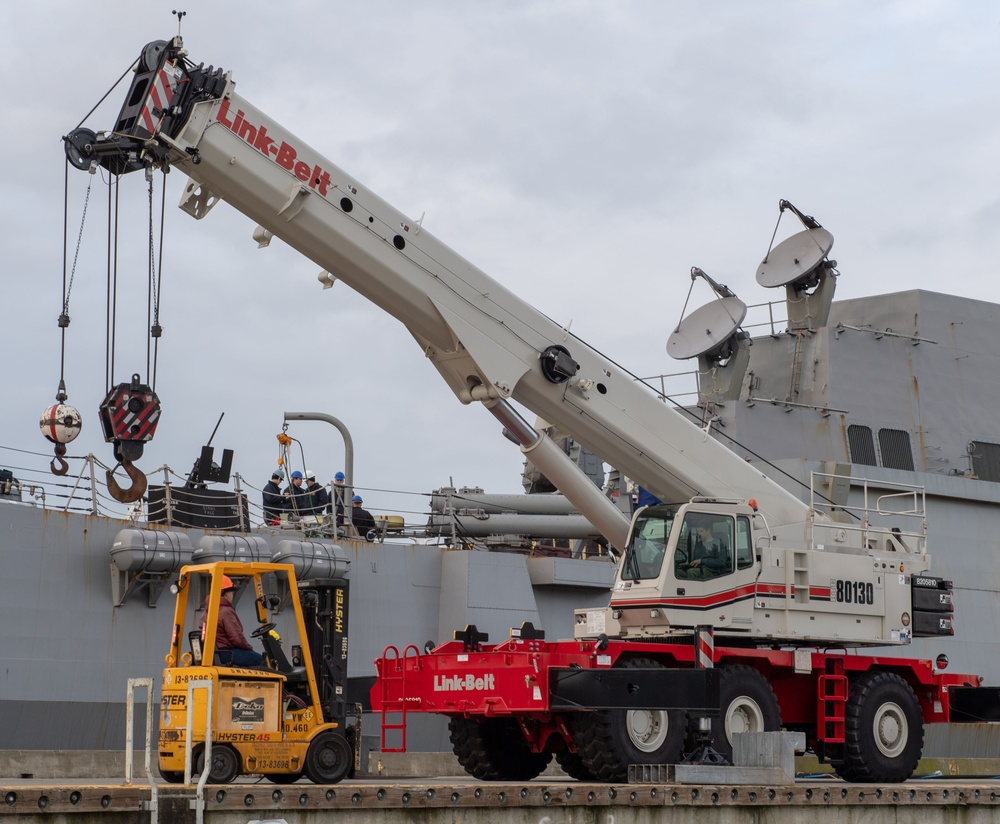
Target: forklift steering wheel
x,y
261,631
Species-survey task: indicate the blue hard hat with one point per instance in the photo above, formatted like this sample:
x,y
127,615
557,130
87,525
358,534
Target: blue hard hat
x,y
340,476
296,474
357,499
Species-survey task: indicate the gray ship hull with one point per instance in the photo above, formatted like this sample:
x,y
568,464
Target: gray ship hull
x,y
69,649
898,389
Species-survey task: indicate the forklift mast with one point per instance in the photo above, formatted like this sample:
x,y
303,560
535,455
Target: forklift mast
x,y
324,610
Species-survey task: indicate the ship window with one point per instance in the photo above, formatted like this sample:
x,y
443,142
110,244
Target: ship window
x,y
894,445
985,460
862,445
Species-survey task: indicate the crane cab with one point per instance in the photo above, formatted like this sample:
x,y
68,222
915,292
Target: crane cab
x,y
684,565
277,710
712,562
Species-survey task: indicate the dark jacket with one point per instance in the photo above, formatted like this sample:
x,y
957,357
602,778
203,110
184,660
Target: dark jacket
x,y
708,560
298,500
229,632
320,502
274,502
362,519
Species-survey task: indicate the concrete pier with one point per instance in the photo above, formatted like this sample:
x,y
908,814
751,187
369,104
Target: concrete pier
x,y
401,796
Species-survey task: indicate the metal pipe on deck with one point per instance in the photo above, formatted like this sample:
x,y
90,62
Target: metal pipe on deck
x,y
448,500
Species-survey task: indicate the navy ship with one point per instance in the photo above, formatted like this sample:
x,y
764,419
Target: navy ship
x,y
888,389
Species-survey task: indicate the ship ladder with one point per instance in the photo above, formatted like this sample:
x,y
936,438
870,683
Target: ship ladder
x,y
393,680
831,706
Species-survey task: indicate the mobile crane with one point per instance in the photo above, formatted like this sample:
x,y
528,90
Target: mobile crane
x,y
793,585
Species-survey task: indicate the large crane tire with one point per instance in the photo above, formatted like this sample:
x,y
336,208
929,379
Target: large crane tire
x,y
608,741
883,730
747,704
495,749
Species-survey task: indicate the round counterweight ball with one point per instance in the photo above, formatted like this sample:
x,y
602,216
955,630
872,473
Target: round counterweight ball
x,y
60,423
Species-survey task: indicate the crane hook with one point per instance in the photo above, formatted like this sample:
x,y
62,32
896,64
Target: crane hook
x,y
134,492
62,468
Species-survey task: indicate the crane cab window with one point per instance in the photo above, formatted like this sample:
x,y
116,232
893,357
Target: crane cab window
x,y
744,544
648,543
705,547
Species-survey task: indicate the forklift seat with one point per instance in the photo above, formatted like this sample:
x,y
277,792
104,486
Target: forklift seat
x,y
274,653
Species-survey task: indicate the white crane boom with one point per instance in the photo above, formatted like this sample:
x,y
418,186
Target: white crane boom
x,y
487,343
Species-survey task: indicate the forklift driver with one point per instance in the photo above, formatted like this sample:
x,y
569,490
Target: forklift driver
x,y
231,645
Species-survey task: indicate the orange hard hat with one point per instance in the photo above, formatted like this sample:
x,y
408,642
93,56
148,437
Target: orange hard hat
x,y
227,583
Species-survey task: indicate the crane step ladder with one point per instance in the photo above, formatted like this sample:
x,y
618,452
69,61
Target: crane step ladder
x,y
831,705
392,677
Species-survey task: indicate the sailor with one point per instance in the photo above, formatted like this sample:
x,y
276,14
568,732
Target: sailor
x,y
339,491
274,501
297,496
319,498
231,646
362,518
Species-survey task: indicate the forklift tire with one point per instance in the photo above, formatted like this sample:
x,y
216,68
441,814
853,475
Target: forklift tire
x,y
225,764
883,730
329,758
171,776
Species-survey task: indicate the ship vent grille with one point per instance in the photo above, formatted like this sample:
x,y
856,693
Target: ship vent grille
x,y
894,444
985,460
862,445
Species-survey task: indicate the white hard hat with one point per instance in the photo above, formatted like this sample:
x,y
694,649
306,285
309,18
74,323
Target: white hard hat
x,y
310,475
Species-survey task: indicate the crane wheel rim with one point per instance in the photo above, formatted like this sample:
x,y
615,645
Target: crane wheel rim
x,y
890,730
647,729
744,715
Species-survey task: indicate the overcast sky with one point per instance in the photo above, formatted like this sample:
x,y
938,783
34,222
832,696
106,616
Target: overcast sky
x,y
584,154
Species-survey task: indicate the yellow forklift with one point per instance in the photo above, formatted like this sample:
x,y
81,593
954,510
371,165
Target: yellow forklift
x,y
281,718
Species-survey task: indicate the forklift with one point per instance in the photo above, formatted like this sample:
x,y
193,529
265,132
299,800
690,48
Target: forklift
x,y
282,719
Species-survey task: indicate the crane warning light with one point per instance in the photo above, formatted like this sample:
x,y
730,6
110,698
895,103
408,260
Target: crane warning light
x,y
752,503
